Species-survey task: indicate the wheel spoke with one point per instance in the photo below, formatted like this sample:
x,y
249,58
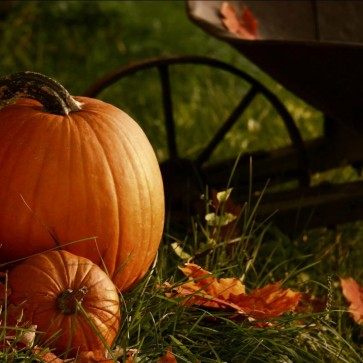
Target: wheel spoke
x,y
168,110
231,120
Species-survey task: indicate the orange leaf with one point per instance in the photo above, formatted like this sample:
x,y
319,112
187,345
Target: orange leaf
x,y
268,302
169,357
204,279
101,356
94,356
229,294
105,356
244,26
47,357
353,292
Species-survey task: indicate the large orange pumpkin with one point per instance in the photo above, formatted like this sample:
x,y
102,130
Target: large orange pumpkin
x,y
76,172
69,298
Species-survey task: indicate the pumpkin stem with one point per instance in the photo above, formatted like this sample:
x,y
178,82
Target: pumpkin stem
x,y
67,301
51,94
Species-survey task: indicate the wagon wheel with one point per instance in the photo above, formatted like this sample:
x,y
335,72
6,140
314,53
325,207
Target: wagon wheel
x,y
185,179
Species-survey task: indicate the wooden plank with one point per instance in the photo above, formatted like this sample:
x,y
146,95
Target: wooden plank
x,y
306,208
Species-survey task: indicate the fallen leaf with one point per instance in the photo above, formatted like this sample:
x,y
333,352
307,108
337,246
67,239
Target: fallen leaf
x,y
353,292
271,301
311,304
202,279
106,356
100,356
245,25
94,356
169,357
203,289
47,357
29,336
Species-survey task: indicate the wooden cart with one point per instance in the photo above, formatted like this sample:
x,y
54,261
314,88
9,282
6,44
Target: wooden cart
x,y
314,49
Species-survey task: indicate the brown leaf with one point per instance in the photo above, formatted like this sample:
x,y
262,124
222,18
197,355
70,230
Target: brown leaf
x,y
245,25
353,292
229,294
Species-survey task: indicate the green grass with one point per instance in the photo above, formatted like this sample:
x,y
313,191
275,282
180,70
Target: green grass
x,y
89,39
152,322
199,334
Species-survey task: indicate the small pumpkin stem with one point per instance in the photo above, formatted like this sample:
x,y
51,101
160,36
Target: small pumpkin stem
x,y
67,301
51,94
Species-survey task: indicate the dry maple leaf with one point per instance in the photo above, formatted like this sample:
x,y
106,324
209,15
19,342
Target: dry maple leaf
x,y
230,294
245,25
353,292
271,301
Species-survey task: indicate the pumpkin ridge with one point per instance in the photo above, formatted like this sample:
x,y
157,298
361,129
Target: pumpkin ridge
x,y
68,159
145,261
76,271
129,156
14,136
94,284
91,122
43,277
84,324
37,216
131,152
61,264
76,146
54,133
36,195
151,221
15,168
96,309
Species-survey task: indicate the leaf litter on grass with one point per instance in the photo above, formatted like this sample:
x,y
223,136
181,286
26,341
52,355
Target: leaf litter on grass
x,y
185,314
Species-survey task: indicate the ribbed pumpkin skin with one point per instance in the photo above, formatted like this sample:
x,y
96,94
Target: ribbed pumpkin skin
x,y
36,284
90,177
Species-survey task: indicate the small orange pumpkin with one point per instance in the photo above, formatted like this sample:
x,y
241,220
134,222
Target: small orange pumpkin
x,y
51,287
76,172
